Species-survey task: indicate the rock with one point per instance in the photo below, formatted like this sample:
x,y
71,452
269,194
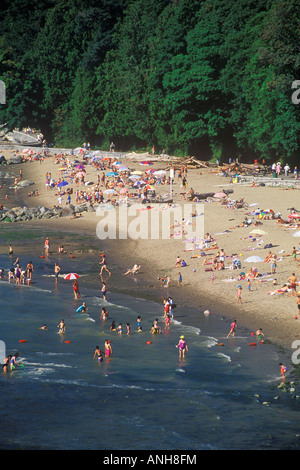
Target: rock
x,y
25,183
15,160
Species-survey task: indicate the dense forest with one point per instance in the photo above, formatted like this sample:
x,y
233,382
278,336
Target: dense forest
x,y
209,78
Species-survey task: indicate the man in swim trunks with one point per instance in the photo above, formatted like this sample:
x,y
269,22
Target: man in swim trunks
x,y
98,353
293,282
56,272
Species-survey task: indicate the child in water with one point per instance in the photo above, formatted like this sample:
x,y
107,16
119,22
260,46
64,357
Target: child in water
x,y
182,346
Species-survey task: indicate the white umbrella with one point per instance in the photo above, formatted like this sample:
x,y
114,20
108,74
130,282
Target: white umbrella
x,y
296,234
109,191
134,177
71,276
258,231
122,168
159,173
254,259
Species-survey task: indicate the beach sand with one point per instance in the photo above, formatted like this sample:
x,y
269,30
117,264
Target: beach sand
x,y
275,314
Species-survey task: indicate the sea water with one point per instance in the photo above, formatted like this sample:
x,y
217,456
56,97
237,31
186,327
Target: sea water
x,y
143,397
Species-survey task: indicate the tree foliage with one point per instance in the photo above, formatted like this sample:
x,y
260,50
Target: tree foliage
x,y
208,78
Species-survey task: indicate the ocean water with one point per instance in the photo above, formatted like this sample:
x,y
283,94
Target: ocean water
x,y
144,397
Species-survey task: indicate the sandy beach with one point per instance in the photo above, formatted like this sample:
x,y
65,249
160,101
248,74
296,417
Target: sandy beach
x,y
262,306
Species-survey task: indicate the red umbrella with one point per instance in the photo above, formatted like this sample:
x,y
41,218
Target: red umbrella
x,y
146,163
71,276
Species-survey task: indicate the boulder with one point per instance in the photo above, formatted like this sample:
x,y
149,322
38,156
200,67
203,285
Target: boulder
x,y
16,159
25,183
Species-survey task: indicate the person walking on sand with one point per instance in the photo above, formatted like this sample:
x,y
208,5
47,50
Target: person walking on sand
x,y
293,282
232,328
239,295
182,347
180,283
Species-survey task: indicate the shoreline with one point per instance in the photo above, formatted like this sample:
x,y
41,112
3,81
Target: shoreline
x,y
274,314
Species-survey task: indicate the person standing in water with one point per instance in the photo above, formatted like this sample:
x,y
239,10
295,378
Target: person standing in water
x,y
182,347
98,354
76,289
47,246
56,272
61,327
107,348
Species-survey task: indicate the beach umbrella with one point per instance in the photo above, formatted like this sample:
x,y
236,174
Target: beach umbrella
x,y
220,195
62,183
296,234
117,163
109,191
146,162
123,191
26,151
159,173
137,173
258,231
254,259
148,186
150,170
294,216
80,174
72,276
79,167
123,168
112,173
134,177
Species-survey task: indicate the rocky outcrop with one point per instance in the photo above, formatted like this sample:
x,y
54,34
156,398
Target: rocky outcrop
x,y
23,214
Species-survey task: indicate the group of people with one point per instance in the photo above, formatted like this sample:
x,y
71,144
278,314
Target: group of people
x,y
16,273
10,362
